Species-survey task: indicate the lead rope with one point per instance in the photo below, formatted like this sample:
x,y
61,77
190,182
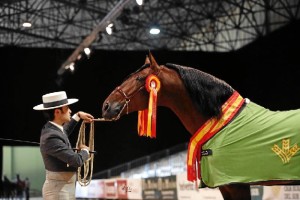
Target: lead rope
x,y
85,172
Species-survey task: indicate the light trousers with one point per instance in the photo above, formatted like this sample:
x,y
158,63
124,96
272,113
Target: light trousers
x,y
59,186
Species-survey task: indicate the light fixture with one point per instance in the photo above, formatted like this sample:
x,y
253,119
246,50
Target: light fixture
x,y
139,2
26,24
154,30
87,51
109,28
70,66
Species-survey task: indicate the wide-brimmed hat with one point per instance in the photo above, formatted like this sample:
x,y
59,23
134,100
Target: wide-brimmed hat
x,y
54,100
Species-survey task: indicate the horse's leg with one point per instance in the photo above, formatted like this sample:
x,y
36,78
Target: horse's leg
x,y
235,192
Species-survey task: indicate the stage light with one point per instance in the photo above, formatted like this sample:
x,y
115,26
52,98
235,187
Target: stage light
x,y
70,66
87,51
26,24
139,2
109,28
154,30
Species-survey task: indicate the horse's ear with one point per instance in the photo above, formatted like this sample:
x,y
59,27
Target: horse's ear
x,y
147,61
153,63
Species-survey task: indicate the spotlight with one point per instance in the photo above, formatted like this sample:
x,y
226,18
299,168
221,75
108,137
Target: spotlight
x,y
26,24
139,2
109,28
154,30
70,66
87,51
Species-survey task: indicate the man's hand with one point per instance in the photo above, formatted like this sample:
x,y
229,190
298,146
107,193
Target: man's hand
x,y
83,147
85,116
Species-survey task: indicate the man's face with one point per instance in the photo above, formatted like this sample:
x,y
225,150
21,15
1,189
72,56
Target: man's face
x,y
65,114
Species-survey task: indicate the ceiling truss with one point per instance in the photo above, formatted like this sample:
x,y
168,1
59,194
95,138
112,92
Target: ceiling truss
x,y
188,25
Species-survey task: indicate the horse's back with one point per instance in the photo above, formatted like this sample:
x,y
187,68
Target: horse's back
x,y
257,146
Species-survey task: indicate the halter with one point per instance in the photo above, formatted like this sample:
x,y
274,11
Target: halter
x,y
128,97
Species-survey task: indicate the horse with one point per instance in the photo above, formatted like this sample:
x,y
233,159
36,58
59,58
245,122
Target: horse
x,y
229,147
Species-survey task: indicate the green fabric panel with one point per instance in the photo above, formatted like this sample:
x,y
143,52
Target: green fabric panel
x,y
242,151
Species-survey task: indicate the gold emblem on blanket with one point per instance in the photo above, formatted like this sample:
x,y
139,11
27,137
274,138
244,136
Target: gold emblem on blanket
x,y
285,152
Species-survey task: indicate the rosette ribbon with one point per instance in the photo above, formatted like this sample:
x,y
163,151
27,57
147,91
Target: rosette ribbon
x,y
147,117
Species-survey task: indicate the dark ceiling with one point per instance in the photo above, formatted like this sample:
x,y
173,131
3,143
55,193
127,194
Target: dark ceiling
x,y
189,25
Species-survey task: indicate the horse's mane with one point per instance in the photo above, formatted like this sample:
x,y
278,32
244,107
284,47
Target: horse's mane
x,y
206,91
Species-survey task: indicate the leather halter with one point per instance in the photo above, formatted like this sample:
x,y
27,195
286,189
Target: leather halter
x,y
128,97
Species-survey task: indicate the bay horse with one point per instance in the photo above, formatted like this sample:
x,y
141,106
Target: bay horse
x,y
229,146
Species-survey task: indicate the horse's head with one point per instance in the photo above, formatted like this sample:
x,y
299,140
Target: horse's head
x,y
132,90
194,96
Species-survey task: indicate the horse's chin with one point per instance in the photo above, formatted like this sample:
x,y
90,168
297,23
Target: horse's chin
x,y
110,116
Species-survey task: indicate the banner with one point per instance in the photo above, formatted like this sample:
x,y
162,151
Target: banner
x,y
187,190
151,188
134,188
122,188
95,189
173,187
110,189
288,192
168,187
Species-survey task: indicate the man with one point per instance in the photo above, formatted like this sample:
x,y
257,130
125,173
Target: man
x,y
61,162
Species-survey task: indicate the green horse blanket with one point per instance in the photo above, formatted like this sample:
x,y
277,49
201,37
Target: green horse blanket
x,y
257,145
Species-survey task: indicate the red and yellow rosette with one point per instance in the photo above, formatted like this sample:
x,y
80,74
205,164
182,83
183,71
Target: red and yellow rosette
x,y
147,117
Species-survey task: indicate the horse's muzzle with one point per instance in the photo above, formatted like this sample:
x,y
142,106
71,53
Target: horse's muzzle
x,y
111,111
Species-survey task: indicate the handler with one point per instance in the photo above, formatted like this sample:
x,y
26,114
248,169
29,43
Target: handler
x,y
61,162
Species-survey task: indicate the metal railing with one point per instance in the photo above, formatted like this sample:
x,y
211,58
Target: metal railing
x,y
118,170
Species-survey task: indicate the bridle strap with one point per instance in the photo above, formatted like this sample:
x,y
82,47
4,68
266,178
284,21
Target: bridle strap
x,y
128,97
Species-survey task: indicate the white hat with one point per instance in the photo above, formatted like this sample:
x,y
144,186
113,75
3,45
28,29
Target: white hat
x,y
54,100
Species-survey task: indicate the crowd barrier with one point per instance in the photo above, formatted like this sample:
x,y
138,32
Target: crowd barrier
x,y
172,187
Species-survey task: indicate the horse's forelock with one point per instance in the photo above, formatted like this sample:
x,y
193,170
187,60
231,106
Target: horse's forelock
x,y
206,91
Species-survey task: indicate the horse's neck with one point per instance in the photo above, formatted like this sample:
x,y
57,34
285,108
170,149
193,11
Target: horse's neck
x,y
175,96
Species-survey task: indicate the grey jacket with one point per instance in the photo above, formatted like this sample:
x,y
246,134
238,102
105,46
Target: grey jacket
x,y
56,149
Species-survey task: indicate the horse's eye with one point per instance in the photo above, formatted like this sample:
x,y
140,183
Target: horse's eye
x,y
139,78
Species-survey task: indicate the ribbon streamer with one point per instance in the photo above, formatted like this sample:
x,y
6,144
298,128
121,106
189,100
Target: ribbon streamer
x,y
147,117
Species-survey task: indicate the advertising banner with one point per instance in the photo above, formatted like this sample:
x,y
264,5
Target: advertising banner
x,y
187,190
122,188
110,189
81,192
95,189
168,187
151,188
288,192
134,188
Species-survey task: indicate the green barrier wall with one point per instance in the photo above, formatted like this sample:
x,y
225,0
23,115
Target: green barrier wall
x,y
27,162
